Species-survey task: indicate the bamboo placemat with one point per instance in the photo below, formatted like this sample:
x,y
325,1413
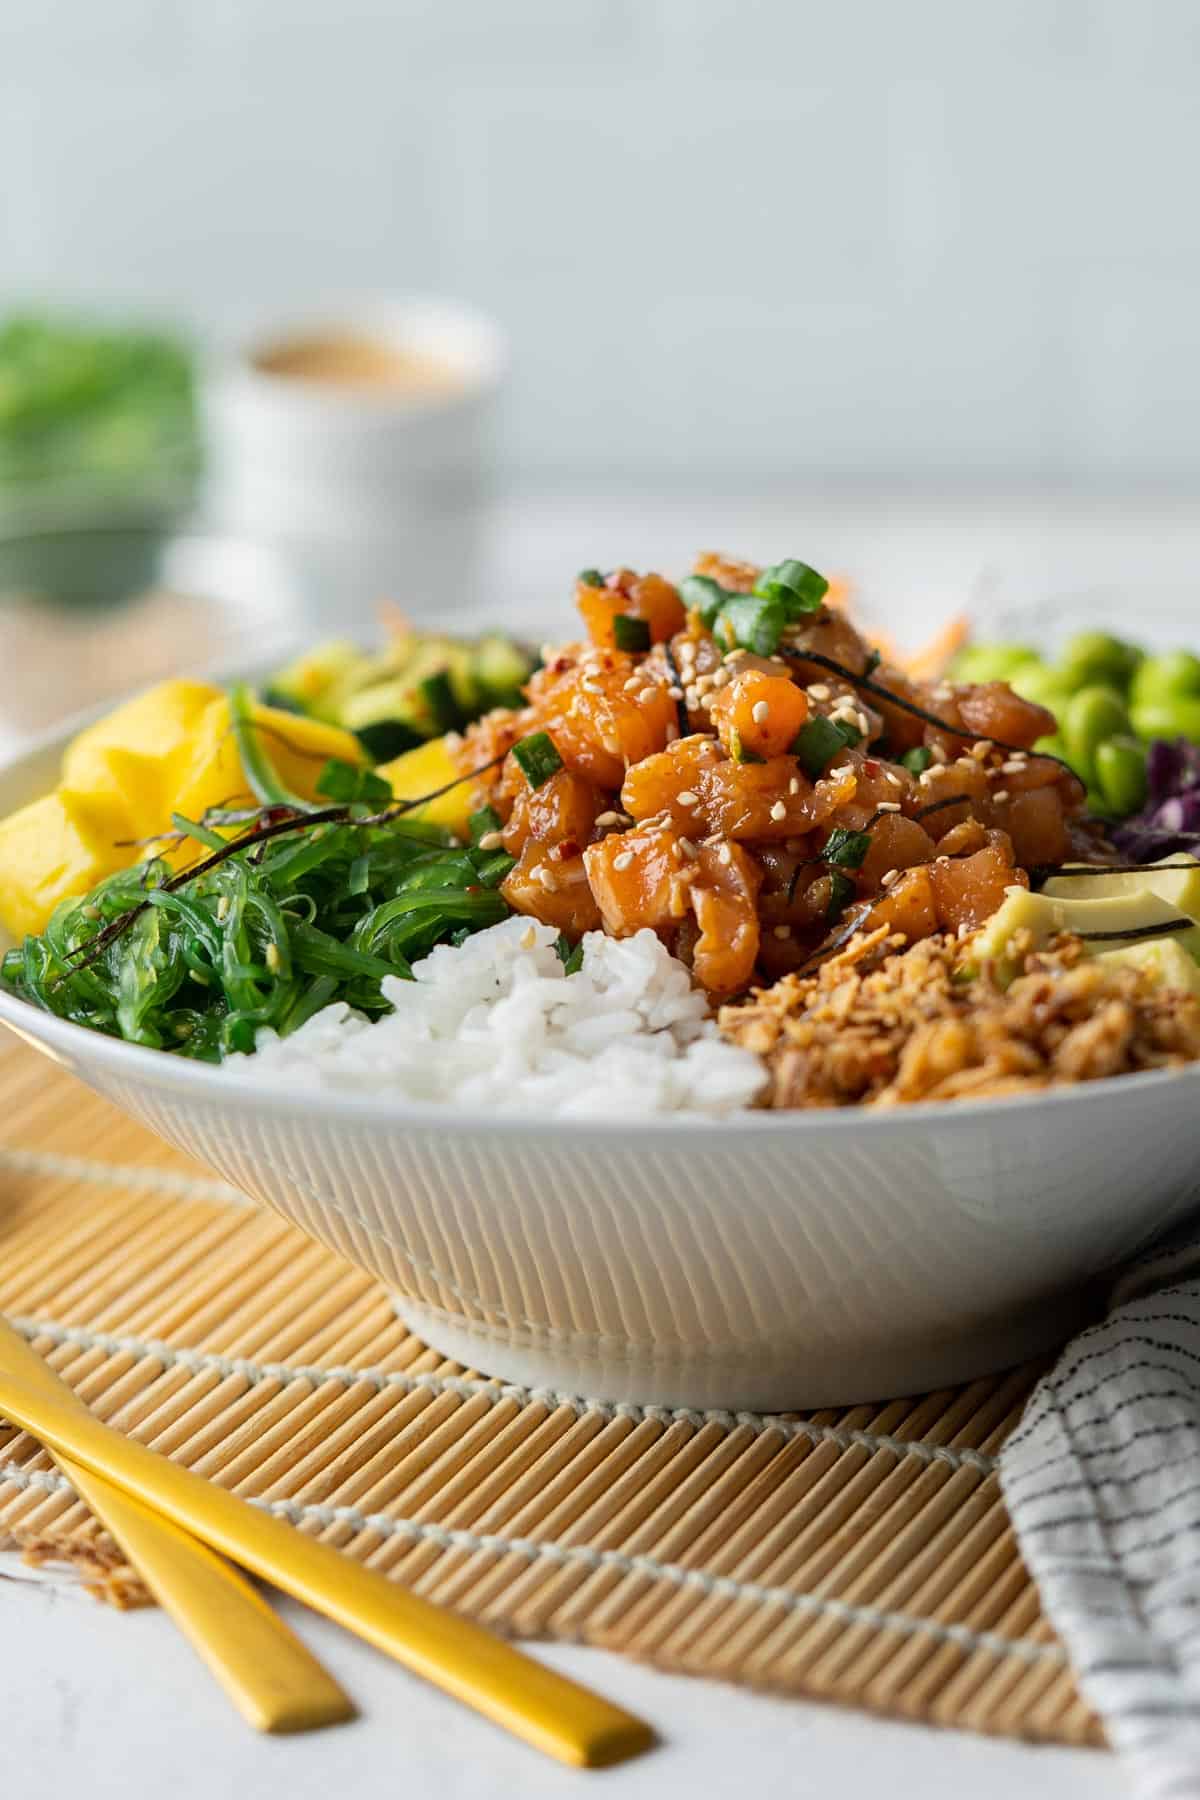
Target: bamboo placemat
x,y
861,1556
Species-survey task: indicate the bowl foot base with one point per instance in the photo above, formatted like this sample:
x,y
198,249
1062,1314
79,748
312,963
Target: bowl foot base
x,y
791,1378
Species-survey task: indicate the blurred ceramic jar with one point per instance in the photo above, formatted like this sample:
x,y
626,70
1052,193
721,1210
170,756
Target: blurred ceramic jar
x,y
361,437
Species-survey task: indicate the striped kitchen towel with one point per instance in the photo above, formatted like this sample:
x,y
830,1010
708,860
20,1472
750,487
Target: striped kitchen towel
x,y
1102,1480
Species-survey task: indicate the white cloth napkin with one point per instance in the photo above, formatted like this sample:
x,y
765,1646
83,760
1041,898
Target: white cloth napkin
x,y
1102,1479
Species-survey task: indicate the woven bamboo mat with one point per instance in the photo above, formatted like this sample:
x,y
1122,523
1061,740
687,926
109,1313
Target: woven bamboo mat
x,y
861,1556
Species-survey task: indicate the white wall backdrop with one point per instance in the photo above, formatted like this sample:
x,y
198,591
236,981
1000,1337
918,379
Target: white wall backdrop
x,y
906,240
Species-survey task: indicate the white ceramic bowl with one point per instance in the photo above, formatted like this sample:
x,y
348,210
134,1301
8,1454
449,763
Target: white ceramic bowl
x,y
766,1262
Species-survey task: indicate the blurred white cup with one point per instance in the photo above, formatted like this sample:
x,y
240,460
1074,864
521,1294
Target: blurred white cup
x,y
359,434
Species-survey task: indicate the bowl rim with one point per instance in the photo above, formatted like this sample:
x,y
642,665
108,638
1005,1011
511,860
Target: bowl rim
x,y
158,1069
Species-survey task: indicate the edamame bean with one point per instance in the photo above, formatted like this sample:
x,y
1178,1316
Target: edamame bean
x,y
1041,684
991,662
1091,716
1175,716
1163,678
1121,774
1093,658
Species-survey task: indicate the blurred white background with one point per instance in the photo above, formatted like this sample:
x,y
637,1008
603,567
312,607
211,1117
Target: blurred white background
x,y
930,243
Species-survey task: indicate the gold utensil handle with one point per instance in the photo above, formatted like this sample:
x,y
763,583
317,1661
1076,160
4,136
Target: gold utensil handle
x,y
272,1679
536,1703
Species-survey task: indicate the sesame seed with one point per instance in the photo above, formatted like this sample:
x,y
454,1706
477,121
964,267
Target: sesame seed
x,y
779,810
590,687
982,749
546,877
890,775
794,785
688,848
273,958
1000,794
223,907
528,938
887,878
735,655
676,693
888,806
938,753
632,686
783,931
1013,766
760,712
687,798
623,861
819,690
863,723
725,854
453,741
491,840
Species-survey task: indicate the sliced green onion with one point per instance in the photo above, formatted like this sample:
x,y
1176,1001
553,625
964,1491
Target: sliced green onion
x,y
630,633
846,849
537,758
841,893
917,760
818,741
590,578
343,782
701,594
752,622
798,588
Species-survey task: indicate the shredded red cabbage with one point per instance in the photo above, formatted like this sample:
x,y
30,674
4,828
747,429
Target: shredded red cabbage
x,y
1170,819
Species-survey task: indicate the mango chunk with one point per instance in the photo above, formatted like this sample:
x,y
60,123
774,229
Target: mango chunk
x,y
171,750
44,859
298,748
422,771
125,769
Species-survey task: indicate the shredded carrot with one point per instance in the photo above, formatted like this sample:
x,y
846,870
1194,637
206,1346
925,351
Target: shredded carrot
x,y
931,660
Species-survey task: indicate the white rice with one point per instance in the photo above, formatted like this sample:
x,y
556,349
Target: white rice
x,y
497,1025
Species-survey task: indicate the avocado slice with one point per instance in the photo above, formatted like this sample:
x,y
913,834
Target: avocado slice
x,y
1180,887
1044,914
1170,965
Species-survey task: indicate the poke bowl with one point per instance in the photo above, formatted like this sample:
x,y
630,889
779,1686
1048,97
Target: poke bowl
x,y
711,1255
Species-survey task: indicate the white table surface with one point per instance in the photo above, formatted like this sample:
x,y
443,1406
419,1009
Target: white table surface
x,y
111,1706
101,1704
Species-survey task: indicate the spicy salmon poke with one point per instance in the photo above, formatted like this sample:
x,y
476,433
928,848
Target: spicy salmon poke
x,y
720,850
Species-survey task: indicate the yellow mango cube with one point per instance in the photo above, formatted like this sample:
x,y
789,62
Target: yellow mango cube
x,y
298,749
44,859
422,771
